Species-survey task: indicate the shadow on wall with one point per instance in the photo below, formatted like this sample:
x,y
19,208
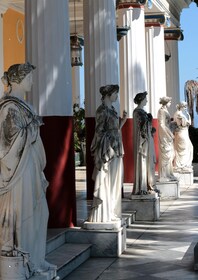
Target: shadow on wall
x,y
193,134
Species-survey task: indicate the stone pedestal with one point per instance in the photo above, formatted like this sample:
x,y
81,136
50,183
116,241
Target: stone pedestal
x,y
147,207
196,257
102,226
168,190
16,268
105,243
185,178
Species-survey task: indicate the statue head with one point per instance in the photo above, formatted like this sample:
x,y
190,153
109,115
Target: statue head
x,y
108,90
165,100
16,73
181,105
140,97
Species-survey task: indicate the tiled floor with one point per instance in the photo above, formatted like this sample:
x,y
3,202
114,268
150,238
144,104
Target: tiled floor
x,y
155,250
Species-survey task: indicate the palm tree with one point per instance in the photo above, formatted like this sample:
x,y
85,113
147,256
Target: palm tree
x,y
191,92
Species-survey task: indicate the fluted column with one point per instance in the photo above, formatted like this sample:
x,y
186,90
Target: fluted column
x,y
101,64
155,60
132,72
172,36
155,66
48,48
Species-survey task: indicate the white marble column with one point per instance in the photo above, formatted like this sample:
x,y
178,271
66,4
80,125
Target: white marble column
x,y
101,64
133,79
76,85
155,60
48,48
172,36
132,55
101,57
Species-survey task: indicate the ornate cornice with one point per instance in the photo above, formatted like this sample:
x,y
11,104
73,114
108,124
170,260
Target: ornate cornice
x,y
173,34
154,19
172,9
125,4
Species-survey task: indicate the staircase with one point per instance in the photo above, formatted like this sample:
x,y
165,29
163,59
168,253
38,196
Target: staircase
x,y
66,256
69,256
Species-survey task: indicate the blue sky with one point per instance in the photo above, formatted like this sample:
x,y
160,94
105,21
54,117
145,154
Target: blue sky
x,y
188,48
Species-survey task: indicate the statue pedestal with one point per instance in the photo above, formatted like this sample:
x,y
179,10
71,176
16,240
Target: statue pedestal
x,y
168,190
16,268
147,207
105,243
196,257
185,178
102,226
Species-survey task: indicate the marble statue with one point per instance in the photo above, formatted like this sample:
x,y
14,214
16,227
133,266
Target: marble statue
x,y
166,137
182,143
23,205
143,145
107,150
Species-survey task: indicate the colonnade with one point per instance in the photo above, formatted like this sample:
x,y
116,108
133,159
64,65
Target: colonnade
x,y
136,63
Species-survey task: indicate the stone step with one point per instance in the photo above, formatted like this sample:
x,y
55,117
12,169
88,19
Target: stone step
x,y
68,257
55,238
128,218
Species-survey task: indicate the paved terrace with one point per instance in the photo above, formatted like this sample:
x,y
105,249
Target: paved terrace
x,y
163,249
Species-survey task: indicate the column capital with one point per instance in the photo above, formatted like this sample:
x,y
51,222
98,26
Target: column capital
x,y
126,4
173,34
155,19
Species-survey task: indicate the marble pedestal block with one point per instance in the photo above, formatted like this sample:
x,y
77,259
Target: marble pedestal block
x,y
102,226
15,268
147,207
185,178
168,190
105,243
196,257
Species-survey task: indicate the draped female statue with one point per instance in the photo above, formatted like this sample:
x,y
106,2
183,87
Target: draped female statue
x,y
107,150
23,205
183,146
166,137
143,143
